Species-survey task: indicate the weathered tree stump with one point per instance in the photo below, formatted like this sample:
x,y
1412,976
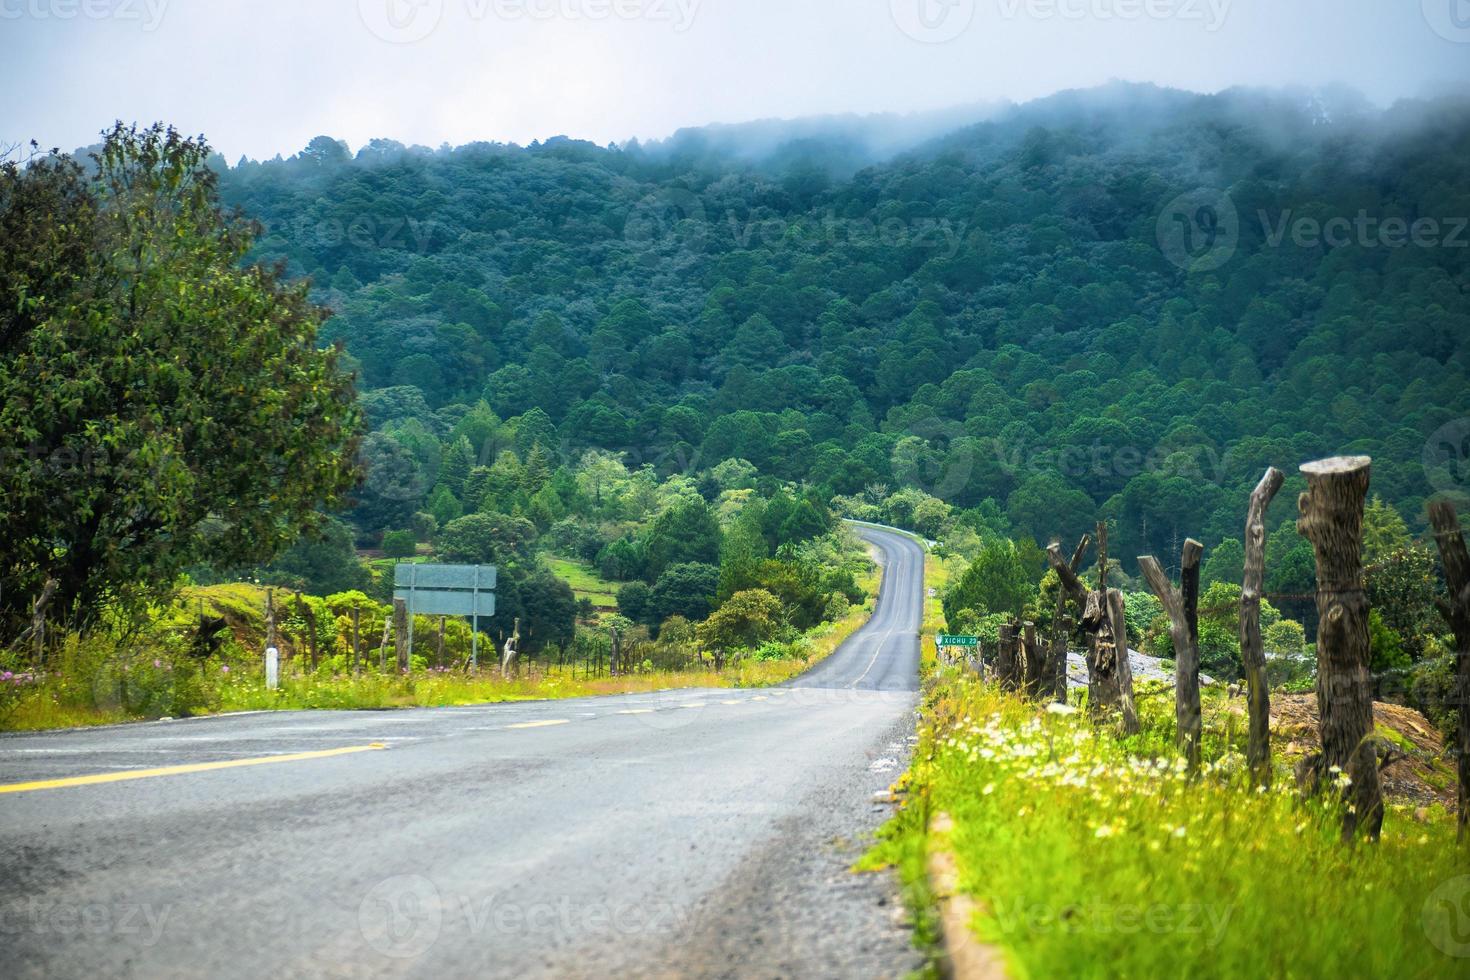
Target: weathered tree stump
x,y
1118,626
1252,651
512,650
1034,658
36,632
1055,679
1181,605
1332,520
1005,657
1456,612
1073,589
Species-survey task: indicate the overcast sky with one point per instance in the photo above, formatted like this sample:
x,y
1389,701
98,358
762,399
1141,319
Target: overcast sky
x,y
261,77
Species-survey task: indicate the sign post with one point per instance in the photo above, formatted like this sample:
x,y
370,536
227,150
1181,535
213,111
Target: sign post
x,y
943,640
447,590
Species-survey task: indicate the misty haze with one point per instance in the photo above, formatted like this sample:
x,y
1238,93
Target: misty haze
x,y
697,488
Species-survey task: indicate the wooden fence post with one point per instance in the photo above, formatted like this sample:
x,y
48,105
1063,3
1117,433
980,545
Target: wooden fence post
x,y
439,648
1005,656
1071,587
400,633
1033,660
1118,622
383,644
356,644
1332,520
1456,612
1252,651
309,618
1182,607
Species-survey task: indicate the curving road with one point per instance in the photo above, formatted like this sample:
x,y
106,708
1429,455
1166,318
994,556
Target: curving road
x,y
684,833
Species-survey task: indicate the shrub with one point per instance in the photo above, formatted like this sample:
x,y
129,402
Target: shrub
x,y
400,544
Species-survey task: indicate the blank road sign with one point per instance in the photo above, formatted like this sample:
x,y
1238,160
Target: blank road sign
x,y
467,577
446,590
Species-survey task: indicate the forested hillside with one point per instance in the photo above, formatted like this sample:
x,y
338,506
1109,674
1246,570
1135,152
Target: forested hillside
x,y
1040,319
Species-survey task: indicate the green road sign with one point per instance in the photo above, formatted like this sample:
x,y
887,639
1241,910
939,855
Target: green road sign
x,y
944,640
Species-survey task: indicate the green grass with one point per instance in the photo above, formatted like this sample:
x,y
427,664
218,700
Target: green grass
x,y
585,582
1096,856
99,680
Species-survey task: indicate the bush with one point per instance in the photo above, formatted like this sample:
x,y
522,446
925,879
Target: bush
x,y
400,544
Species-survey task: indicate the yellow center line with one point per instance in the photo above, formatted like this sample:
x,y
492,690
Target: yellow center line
x,y
118,777
693,704
540,724
732,702
761,698
637,711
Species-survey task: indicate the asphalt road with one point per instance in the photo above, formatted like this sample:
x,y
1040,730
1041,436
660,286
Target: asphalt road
x,y
683,833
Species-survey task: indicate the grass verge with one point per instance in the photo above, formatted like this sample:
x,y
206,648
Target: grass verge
x,y
1091,855
94,686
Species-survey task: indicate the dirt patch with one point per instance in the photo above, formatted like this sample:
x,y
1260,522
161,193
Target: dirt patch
x,y
1423,777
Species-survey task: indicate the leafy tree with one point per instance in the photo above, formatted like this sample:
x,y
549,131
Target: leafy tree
x,y
392,488
635,601
1402,588
745,621
487,539
1385,646
685,533
1384,531
444,506
400,544
622,560
161,402
544,603
323,561
455,467
735,474
686,590
997,581
1286,637
1225,563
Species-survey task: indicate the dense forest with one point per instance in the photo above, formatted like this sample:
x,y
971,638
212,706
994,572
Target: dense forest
x,y
1119,303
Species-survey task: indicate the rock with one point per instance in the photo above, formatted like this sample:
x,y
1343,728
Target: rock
x,y
1145,668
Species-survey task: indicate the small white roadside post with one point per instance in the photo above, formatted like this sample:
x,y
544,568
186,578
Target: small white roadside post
x,y
272,668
